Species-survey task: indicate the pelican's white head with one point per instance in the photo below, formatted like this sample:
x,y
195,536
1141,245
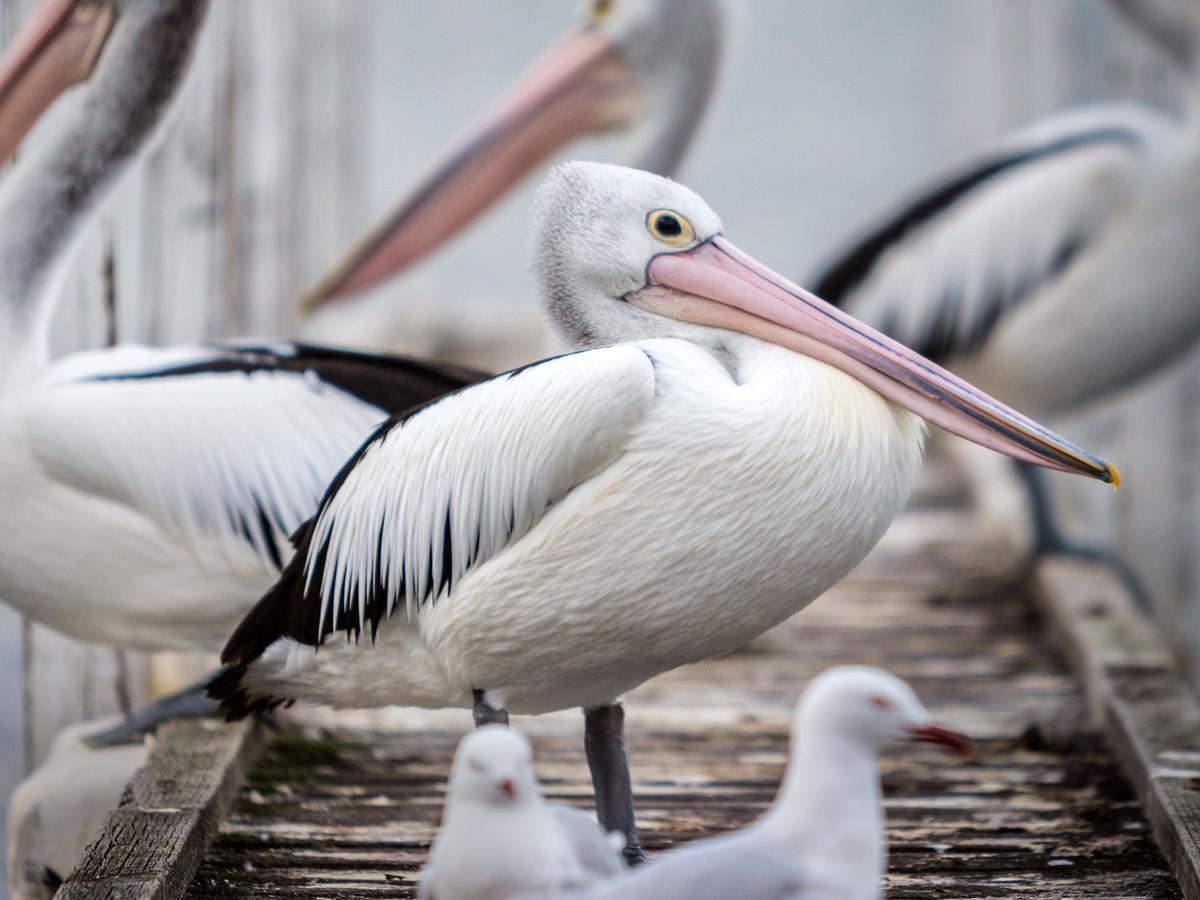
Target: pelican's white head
x,y
623,255
594,230
493,767
647,68
673,51
869,708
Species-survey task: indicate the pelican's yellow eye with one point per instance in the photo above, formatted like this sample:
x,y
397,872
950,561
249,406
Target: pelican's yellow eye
x,y
601,9
670,227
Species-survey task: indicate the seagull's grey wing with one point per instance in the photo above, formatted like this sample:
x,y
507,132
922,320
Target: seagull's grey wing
x,y
741,866
944,269
597,852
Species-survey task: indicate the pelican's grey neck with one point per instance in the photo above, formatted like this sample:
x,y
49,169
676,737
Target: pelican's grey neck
x,y
1173,25
47,196
675,101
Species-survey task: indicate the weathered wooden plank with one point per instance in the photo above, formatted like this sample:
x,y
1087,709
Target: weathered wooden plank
x,y
1043,813
1150,716
152,843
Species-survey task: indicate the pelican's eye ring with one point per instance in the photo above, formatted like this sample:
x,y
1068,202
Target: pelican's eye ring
x,y
670,228
600,10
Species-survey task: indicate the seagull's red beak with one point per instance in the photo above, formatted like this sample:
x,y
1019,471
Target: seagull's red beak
x,y
57,46
508,788
952,740
716,284
579,87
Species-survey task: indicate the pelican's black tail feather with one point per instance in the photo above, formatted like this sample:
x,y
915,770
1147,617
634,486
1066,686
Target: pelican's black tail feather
x,y
235,700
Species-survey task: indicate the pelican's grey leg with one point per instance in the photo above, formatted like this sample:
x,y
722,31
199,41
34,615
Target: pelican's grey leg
x,y
484,713
604,742
1049,539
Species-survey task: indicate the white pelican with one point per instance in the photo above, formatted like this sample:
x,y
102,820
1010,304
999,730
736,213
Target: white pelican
x,y
146,495
499,836
727,450
823,837
1057,267
645,67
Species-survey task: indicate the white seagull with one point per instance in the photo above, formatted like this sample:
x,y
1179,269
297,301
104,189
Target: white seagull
x,y
1057,267
645,68
57,811
729,448
146,495
823,837
499,836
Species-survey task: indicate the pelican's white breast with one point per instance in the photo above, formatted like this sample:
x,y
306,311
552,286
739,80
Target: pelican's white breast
x,y
742,497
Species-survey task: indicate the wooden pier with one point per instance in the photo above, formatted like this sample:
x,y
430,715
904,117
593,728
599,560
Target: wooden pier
x,y
1086,783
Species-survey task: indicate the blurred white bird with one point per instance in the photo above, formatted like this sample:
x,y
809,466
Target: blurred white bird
x,y
147,494
59,809
1057,267
500,838
823,837
727,449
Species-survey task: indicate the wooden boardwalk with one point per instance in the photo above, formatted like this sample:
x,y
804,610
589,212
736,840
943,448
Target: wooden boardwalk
x,y
345,805
348,807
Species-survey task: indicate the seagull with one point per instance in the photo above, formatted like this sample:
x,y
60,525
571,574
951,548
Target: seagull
x,y
725,448
147,494
1058,266
57,811
823,837
500,838
645,68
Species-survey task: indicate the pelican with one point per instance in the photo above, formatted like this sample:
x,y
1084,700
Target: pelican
x,y
723,450
146,495
1057,267
646,68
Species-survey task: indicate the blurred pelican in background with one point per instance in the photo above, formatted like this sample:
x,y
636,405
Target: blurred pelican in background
x,y
1061,264
147,495
60,808
646,69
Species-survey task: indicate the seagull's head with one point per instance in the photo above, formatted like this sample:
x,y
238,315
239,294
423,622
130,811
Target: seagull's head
x,y
869,707
494,767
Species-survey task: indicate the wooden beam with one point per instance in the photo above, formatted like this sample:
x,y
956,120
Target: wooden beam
x,y
153,841
1137,696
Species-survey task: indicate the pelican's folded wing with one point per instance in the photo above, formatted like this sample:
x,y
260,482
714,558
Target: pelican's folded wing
x,y
943,270
446,487
221,446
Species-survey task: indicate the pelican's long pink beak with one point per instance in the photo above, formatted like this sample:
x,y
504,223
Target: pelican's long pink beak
x,y
952,740
716,284
580,86
57,46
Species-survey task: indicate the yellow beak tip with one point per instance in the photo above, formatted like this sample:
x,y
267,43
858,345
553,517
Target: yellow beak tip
x,y
1114,475
308,303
